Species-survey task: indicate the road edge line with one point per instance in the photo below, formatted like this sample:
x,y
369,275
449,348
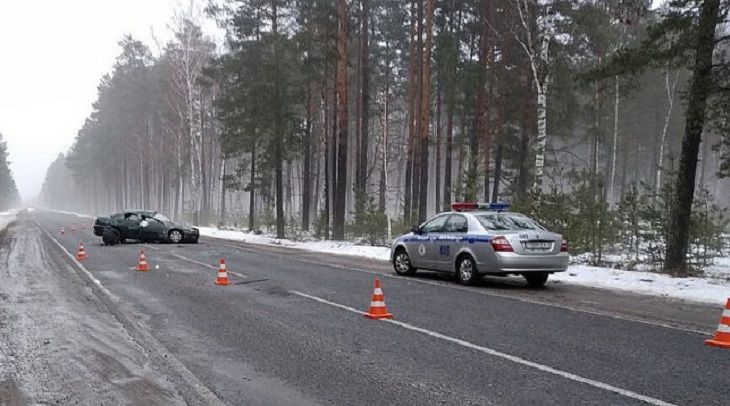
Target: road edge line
x,y
499,354
155,348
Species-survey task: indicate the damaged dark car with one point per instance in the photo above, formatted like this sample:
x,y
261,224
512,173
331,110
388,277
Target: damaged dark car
x,y
142,225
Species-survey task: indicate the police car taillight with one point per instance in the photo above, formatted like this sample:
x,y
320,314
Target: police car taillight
x,y
501,244
564,246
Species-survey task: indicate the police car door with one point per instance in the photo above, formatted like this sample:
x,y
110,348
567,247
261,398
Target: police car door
x,y
424,251
455,230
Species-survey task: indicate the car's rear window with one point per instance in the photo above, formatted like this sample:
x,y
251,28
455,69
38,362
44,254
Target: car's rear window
x,y
507,221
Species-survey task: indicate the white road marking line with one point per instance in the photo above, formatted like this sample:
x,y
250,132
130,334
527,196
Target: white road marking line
x,y
473,290
196,384
499,354
192,261
151,247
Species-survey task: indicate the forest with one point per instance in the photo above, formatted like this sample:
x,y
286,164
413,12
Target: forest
x,y
9,196
607,121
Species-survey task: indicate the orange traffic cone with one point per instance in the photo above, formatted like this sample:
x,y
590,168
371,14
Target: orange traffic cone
x,y
377,304
73,228
63,231
722,336
81,253
142,265
222,278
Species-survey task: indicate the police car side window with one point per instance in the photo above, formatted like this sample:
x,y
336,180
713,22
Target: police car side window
x,y
435,225
457,224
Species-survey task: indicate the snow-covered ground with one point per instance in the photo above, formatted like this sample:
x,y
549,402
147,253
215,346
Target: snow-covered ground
x,y
711,289
6,217
73,213
706,290
333,247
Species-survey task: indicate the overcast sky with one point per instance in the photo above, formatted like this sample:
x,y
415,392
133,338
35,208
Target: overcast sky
x,y
53,54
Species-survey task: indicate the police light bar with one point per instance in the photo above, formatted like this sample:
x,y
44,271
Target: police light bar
x,y
468,206
464,206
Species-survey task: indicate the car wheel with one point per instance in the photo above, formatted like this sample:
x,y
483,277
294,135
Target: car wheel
x,y
466,270
110,236
175,236
536,279
402,263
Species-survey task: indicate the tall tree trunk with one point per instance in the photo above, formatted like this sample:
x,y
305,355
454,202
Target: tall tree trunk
x,y
362,161
278,131
252,190
425,115
448,158
418,144
498,152
670,89
306,169
437,172
616,102
340,196
676,261
413,65
222,182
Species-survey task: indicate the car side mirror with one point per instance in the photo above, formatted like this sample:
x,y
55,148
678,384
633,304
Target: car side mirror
x,y
416,230
144,223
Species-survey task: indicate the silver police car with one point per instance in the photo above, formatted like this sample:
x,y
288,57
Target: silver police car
x,y
477,239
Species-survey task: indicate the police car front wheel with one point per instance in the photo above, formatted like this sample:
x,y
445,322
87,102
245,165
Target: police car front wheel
x,y
402,263
466,270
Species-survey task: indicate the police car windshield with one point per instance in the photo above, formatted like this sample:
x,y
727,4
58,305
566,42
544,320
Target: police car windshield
x,y
507,221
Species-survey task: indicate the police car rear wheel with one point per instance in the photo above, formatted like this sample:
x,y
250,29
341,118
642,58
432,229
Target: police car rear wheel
x,y
402,263
466,272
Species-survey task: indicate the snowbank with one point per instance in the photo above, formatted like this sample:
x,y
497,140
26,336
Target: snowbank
x,y
73,213
711,289
6,217
331,247
706,290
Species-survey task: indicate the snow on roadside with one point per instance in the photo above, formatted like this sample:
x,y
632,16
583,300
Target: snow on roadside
x,y
705,290
72,213
331,247
6,217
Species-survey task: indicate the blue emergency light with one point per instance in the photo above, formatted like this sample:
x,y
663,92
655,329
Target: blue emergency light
x,y
468,206
497,206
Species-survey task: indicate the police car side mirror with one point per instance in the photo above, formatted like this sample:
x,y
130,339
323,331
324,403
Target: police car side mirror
x,y
416,230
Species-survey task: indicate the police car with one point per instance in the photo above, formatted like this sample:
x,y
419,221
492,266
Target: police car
x,y
477,239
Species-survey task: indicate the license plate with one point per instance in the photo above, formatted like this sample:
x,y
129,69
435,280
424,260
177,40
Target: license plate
x,y
538,245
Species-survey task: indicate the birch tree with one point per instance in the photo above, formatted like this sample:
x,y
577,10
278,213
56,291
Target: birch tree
x,y
534,34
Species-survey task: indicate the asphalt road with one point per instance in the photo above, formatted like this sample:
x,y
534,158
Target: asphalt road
x,y
288,331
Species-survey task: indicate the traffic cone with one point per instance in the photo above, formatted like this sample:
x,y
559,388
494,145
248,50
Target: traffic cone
x,y
63,231
222,278
377,304
83,226
722,336
73,228
142,265
81,253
